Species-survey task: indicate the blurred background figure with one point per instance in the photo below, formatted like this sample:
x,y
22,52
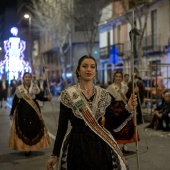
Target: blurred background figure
x,y
42,84
13,85
160,118
34,79
3,91
60,86
118,90
159,88
52,85
19,80
125,79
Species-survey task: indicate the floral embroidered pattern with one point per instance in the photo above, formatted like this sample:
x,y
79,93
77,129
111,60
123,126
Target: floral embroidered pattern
x,y
101,101
31,92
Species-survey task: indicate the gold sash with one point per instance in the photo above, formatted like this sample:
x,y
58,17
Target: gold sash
x,y
81,105
123,97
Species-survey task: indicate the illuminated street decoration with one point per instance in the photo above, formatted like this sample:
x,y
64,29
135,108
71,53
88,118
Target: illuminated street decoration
x,y
14,63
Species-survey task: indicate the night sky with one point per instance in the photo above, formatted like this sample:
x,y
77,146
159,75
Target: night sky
x,y
7,3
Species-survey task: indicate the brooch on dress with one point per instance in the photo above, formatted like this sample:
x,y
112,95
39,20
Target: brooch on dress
x,y
74,95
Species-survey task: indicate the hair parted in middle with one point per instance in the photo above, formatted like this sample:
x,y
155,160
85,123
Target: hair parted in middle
x,y
27,73
118,71
80,61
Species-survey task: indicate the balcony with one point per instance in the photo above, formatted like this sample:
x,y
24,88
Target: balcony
x,y
151,45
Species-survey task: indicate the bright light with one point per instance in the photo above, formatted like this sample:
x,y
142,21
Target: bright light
x,y
95,52
69,74
26,16
0,48
14,63
14,31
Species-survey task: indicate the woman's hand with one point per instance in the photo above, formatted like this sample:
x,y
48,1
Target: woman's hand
x,y
49,97
158,115
132,103
136,89
51,162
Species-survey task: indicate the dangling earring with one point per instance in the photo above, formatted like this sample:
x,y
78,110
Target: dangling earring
x,y
94,80
79,78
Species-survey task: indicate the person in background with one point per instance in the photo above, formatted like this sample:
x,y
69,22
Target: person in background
x,y
160,105
13,85
160,116
42,84
60,86
19,79
158,88
88,145
34,79
118,91
166,122
125,79
28,130
53,85
3,91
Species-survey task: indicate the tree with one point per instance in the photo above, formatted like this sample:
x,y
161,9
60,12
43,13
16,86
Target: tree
x,y
50,17
141,8
86,17
56,16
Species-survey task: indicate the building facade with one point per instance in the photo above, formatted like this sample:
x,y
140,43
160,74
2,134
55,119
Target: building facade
x,y
115,45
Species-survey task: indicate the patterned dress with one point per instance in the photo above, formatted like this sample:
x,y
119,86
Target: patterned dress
x,y
127,133
82,148
28,131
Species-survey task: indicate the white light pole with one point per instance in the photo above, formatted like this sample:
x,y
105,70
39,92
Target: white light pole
x,y
27,16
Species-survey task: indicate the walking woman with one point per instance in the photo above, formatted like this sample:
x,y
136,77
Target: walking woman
x,y
88,146
28,131
118,91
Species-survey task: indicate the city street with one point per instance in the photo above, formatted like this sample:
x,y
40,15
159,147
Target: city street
x,y
153,148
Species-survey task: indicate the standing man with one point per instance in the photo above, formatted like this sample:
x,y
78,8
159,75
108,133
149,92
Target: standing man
x,y
3,91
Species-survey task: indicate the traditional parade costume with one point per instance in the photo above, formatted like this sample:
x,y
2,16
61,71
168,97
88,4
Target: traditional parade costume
x,y
119,100
28,131
87,145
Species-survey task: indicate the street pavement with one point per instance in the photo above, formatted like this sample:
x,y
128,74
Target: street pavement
x,y
152,149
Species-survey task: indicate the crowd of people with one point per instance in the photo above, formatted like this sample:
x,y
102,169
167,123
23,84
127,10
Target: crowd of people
x,y
102,119
8,88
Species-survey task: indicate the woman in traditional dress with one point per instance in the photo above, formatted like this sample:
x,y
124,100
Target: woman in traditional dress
x,y
88,146
118,92
28,131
